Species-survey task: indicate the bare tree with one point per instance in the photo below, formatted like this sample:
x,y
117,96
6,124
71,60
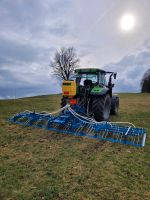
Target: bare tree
x,y
145,83
64,62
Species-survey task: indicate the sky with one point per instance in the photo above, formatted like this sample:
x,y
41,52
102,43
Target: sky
x,y
32,30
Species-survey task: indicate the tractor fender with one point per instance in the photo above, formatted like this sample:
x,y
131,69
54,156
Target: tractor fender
x,y
98,91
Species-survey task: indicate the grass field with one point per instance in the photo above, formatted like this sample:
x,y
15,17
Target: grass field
x,y
38,164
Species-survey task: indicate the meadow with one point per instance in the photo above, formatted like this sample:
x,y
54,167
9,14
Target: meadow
x,y
42,165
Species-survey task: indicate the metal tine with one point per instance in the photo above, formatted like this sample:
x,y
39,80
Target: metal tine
x,y
47,125
118,136
64,127
33,120
44,123
111,135
21,118
84,128
27,122
134,139
138,142
69,125
15,120
79,128
141,137
102,133
67,128
38,121
121,137
130,138
92,130
137,139
88,129
18,119
56,126
106,134
24,122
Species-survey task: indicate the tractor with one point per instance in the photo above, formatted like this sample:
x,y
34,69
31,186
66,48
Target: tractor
x,y
89,89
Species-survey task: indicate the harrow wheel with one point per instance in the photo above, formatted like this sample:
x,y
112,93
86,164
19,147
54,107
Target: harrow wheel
x,y
101,107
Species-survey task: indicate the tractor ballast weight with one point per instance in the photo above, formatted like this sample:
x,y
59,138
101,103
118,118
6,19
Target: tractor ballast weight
x,y
89,89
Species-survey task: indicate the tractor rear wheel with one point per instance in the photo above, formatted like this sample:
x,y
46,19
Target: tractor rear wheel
x,y
101,107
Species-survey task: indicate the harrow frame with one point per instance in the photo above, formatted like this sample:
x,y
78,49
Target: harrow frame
x,y
72,121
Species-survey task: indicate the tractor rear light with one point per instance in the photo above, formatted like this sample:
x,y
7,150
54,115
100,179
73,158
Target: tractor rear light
x,y
73,101
66,92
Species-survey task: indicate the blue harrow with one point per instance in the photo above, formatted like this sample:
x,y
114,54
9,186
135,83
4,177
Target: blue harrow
x,y
73,121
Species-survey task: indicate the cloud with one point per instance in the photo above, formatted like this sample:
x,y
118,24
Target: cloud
x,y
24,84
131,69
31,31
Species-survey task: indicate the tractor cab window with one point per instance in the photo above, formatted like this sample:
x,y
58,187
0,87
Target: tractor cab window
x,y
102,78
82,77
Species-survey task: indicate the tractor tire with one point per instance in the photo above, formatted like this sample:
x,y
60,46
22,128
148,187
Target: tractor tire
x,y
101,107
63,102
114,105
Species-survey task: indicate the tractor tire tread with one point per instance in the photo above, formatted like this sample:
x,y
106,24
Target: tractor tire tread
x,y
98,107
63,102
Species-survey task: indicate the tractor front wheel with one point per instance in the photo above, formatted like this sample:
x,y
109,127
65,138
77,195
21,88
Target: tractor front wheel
x,y
101,107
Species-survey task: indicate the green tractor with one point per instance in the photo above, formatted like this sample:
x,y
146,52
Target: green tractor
x,y
89,89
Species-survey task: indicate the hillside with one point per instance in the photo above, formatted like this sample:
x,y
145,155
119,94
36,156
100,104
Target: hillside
x,y
39,164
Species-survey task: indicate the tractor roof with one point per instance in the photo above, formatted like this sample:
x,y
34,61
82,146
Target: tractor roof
x,y
89,70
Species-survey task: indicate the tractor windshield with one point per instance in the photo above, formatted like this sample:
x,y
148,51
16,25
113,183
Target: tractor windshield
x,y
92,77
98,78
82,77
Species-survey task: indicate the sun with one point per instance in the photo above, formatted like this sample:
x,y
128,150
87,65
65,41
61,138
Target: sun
x,y
127,22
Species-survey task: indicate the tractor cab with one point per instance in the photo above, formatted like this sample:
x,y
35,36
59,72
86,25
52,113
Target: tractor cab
x,y
91,76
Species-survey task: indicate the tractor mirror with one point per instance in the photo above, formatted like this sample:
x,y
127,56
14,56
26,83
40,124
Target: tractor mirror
x,y
115,75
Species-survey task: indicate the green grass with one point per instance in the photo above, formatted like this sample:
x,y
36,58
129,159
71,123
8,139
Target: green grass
x,y
39,164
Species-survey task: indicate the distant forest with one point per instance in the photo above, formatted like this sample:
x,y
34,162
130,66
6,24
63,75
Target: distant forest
x,y
145,83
